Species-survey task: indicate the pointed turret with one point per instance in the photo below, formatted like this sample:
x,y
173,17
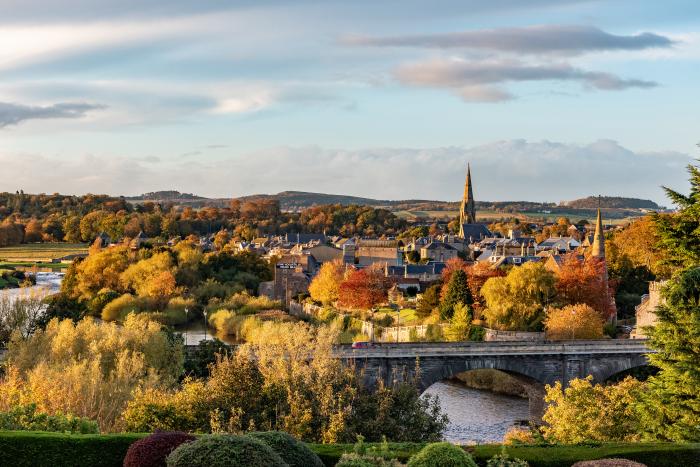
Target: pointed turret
x,y
598,247
467,212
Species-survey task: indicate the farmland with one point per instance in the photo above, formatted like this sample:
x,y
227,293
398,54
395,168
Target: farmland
x,y
40,252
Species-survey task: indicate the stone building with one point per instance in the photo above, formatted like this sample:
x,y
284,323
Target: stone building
x,y
646,311
385,252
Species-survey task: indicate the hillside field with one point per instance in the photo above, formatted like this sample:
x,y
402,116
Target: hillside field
x,y
40,252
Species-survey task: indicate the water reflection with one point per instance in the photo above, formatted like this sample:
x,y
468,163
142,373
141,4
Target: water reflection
x,y
46,283
195,332
477,416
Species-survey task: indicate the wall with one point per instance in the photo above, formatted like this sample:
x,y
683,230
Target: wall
x,y
494,335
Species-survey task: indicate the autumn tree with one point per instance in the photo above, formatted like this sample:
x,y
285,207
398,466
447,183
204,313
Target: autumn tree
x,y
90,369
584,281
33,231
326,285
477,275
573,322
454,292
516,302
152,277
460,324
100,270
363,288
586,412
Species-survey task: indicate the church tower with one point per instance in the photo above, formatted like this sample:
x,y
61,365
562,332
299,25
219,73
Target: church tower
x,y
467,212
598,247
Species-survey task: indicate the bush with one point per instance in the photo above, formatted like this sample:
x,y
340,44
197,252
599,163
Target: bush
x,y
26,418
515,436
293,452
503,460
225,451
152,450
117,309
442,455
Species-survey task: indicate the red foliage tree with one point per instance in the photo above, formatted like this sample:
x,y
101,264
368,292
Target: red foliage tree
x,y
363,288
477,275
585,281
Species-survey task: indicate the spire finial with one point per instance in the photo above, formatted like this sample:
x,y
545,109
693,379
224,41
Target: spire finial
x,y
467,212
598,247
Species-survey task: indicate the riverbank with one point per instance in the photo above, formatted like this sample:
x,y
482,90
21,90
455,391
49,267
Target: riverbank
x,y
492,380
23,448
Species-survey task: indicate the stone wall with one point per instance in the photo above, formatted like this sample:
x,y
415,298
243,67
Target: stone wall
x,y
494,335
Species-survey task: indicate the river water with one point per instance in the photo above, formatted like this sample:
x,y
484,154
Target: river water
x,y
476,416
46,283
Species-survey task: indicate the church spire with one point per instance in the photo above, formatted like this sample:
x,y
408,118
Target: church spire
x,y
467,212
598,248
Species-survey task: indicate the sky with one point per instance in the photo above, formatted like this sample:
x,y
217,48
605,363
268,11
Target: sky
x,y
549,100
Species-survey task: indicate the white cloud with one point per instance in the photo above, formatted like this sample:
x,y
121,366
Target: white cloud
x,y
504,170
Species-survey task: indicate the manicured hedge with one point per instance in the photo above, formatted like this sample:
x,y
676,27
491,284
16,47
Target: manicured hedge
x,y
23,448
38,449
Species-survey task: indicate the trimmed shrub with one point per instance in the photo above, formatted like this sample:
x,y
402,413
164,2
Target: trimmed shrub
x,y
293,452
152,450
225,451
442,455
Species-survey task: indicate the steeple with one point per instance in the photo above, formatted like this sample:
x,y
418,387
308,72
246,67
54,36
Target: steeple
x,y
467,212
598,247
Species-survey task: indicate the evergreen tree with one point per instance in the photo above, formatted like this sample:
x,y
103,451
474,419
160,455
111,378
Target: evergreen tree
x,y
457,292
671,402
430,299
680,233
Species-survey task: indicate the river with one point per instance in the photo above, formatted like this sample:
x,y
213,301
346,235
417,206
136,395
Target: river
x,y
46,283
476,416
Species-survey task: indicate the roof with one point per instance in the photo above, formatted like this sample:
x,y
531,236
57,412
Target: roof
x,y
475,232
378,244
305,237
438,245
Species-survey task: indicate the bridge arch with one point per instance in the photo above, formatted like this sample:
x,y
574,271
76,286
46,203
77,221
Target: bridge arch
x,y
606,369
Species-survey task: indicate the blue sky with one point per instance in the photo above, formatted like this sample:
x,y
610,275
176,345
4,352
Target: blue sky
x,y
552,101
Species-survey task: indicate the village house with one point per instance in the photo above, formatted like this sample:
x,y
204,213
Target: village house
x,y
385,252
438,251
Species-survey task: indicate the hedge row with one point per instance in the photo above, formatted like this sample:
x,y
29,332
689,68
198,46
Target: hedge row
x,y
22,448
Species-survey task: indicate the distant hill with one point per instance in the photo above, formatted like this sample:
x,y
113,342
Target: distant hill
x,y
168,195
612,202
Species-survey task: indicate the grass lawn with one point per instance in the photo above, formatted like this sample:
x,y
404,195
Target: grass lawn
x,y
407,315
29,264
40,252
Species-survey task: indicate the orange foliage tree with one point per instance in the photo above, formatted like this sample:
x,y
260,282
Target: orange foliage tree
x,y
363,288
585,281
573,322
477,275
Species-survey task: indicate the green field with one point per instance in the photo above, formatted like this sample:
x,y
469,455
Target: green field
x,y
40,252
494,216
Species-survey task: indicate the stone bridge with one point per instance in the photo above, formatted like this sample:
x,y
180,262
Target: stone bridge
x,y
534,364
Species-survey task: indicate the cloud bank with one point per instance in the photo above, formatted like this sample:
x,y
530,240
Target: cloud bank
x,y
472,79
503,170
12,114
541,39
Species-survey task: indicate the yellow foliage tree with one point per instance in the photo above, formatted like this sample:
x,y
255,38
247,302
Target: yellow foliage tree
x,y
578,321
516,302
100,270
460,324
324,288
152,277
89,369
587,412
